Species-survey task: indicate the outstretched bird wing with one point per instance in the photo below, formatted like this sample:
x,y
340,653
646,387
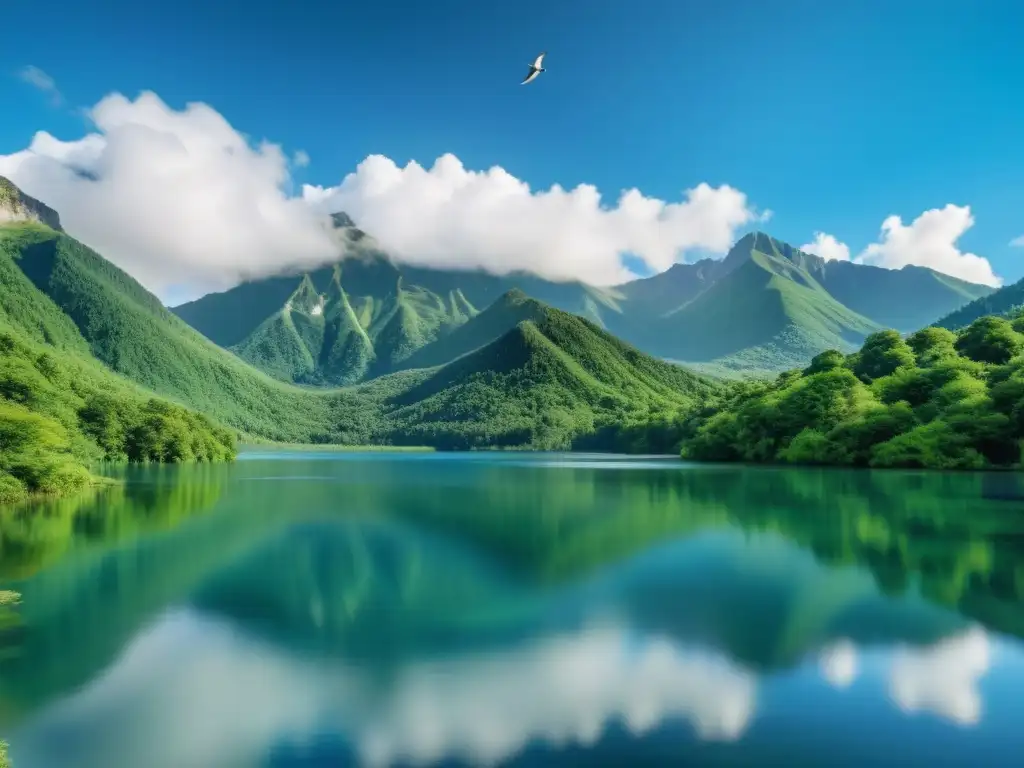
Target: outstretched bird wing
x,y
540,61
531,76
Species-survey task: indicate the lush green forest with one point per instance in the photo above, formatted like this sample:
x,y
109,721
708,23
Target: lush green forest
x,y
60,413
937,399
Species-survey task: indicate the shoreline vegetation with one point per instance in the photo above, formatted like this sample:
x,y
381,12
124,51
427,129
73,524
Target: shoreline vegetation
x,y
60,417
935,400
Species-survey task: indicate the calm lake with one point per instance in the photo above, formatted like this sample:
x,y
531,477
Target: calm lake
x,y
333,609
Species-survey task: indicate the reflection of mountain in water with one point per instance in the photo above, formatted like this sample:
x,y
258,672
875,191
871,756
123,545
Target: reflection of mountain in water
x,y
426,610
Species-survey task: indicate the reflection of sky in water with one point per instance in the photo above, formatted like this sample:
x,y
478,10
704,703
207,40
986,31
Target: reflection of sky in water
x,y
339,638
942,679
192,691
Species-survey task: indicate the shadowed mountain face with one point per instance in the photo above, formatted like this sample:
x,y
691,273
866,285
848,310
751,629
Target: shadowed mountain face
x,y
767,306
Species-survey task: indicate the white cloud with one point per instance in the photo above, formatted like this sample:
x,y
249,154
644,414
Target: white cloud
x,y
195,691
1018,242
827,247
173,197
450,216
187,204
35,77
930,240
180,197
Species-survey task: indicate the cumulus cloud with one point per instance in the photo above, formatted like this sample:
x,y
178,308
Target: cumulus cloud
x,y
1018,242
930,240
451,216
186,203
173,197
180,197
194,691
35,77
827,247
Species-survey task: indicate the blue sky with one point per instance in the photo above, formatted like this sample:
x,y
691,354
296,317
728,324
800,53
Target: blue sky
x,y
832,115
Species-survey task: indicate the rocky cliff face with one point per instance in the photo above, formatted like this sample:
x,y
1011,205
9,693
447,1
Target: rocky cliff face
x,y
15,205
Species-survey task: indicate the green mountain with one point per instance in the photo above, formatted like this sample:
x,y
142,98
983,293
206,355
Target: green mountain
x,y
523,374
60,409
552,379
765,310
1007,301
766,307
494,322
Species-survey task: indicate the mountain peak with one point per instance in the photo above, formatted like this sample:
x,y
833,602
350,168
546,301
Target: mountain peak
x,y
15,205
340,220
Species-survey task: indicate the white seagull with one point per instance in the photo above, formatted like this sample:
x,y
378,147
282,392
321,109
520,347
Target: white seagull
x,y
535,68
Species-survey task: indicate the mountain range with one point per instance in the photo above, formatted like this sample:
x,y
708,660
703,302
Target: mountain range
x,y
519,373
765,307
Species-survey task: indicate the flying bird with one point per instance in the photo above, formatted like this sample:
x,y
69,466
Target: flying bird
x,y
535,68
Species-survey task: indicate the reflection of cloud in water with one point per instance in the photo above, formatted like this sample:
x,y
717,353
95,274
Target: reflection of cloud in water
x,y
193,692
943,678
559,690
838,663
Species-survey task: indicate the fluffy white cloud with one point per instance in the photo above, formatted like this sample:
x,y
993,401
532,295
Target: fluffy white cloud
x,y
930,240
181,198
187,204
1018,242
450,216
35,77
173,197
827,247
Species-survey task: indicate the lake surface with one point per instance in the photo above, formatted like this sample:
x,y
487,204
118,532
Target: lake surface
x,y
342,609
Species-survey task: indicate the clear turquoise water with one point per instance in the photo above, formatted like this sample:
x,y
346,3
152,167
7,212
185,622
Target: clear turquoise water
x,y
385,609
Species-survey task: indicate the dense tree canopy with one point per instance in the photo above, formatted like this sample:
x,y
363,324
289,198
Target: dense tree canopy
x,y
937,400
59,413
